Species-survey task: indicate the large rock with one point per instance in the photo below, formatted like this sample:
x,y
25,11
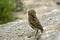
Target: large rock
x,y
21,30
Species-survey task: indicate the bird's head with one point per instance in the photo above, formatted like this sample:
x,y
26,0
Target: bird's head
x,y
32,12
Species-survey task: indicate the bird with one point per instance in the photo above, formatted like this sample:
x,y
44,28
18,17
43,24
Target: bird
x,y
34,22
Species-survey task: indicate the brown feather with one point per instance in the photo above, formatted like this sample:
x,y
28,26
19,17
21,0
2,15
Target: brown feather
x,y
33,21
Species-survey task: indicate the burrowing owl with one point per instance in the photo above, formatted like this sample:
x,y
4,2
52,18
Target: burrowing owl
x,y
33,21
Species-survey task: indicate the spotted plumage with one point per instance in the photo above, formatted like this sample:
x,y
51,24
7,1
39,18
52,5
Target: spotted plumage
x,y
34,22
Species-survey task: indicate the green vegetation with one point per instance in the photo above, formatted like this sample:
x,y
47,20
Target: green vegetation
x,y
6,11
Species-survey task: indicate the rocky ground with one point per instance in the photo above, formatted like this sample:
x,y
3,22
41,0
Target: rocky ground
x,y
49,16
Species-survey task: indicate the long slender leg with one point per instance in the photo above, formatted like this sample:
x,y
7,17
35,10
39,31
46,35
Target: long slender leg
x,y
36,33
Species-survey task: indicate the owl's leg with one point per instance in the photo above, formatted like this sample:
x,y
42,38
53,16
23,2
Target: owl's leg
x,y
37,36
36,33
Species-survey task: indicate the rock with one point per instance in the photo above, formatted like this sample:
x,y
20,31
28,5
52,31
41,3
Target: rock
x,y
21,30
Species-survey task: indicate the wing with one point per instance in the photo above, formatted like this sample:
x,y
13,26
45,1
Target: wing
x,y
35,22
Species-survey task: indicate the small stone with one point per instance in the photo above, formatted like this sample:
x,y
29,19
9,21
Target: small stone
x,y
20,35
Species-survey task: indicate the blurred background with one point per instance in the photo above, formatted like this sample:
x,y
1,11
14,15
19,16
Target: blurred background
x,y
14,19
11,10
